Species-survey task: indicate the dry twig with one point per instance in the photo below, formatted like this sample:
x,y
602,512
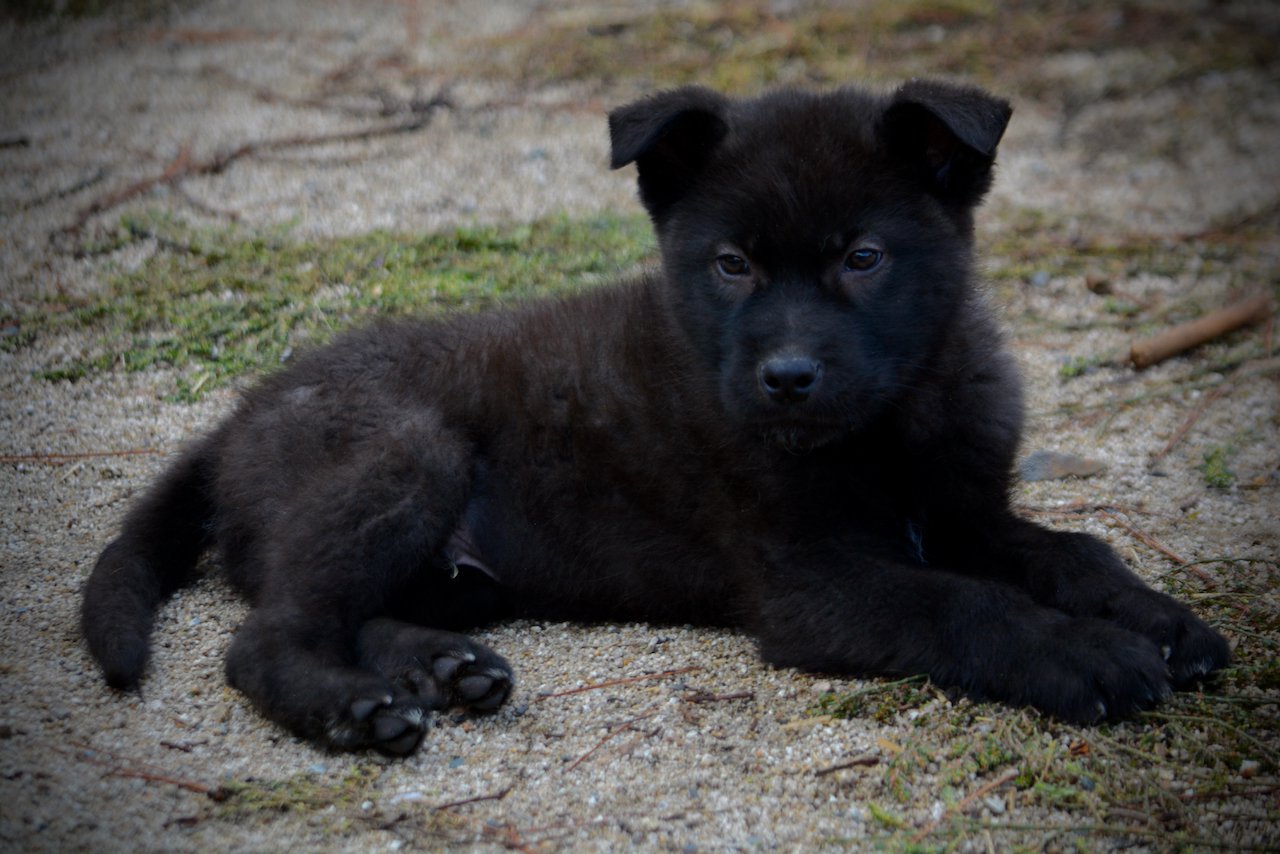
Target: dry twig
x,y
612,682
1147,540
856,762
705,697
964,803
496,796
620,728
116,768
1173,341
1082,508
183,167
1190,421
58,459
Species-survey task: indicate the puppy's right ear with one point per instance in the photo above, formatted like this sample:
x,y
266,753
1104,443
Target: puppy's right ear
x,y
670,137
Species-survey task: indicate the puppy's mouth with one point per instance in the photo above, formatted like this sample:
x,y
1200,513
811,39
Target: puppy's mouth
x,y
797,436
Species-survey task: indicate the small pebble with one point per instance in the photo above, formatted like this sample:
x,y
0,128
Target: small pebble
x,y
1054,465
1097,283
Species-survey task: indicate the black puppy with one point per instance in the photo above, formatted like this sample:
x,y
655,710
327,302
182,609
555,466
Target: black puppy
x,y
803,425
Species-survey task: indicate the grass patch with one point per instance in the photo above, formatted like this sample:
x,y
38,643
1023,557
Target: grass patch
x,y
879,700
304,792
884,816
1170,777
1215,467
1078,366
218,304
1028,246
342,806
746,45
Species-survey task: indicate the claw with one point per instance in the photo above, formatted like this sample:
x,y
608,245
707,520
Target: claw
x,y
1166,651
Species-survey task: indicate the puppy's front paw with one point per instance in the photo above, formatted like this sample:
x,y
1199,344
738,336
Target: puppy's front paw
x,y
1190,646
1094,671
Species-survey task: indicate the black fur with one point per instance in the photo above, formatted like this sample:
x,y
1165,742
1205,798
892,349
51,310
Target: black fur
x,y
804,425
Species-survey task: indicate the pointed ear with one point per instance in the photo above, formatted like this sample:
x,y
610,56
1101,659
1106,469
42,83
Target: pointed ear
x,y
949,133
670,137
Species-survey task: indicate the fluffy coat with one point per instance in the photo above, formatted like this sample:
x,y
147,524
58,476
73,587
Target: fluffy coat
x,y
804,424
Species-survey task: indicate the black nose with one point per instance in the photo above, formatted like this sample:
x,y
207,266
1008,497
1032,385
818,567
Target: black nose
x,y
790,379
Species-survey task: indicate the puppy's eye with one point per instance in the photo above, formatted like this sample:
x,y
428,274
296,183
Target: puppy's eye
x,y
863,259
732,266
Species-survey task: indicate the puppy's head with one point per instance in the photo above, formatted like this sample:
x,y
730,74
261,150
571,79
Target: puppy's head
x,y
817,246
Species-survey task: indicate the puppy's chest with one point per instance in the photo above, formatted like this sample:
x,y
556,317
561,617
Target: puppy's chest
x,y
676,504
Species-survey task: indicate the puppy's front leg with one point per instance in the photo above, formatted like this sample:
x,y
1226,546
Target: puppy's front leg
x,y
846,607
1083,576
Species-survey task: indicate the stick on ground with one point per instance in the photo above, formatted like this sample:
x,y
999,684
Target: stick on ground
x,y
1173,341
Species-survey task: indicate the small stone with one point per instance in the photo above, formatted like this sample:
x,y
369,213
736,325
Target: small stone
x,y
1097,283
1053,465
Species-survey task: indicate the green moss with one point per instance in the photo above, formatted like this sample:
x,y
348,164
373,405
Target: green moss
x,y
1124,308
883,701
217,304
885,817
299,793
1214,467
1078,366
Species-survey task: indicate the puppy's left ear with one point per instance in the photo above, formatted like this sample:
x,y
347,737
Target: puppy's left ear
x,y
949,133
670,137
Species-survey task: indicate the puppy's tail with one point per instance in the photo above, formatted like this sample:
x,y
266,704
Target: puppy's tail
x,y
155,554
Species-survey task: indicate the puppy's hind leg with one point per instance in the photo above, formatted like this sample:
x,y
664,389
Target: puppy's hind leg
x,y
348,536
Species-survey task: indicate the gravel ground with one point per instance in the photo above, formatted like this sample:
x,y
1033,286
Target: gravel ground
x,y
103,102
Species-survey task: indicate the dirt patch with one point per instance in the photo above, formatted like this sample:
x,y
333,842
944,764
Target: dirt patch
x,y
1138,187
